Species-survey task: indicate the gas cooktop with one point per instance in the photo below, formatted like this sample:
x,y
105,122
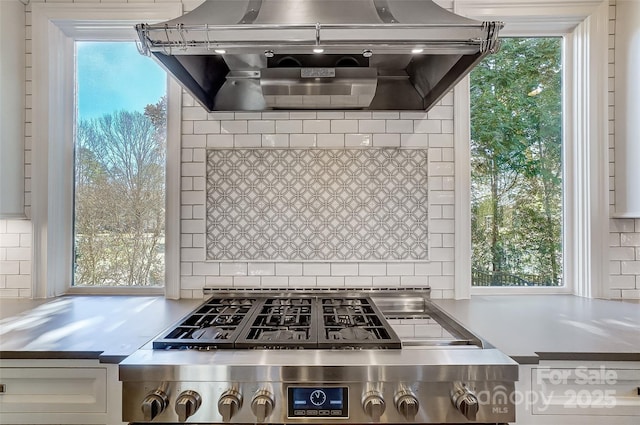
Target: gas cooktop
x,y
292,357
280,322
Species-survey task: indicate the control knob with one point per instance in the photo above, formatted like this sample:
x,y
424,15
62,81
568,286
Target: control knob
x,y
407,403
465,401
187,404
373,404
229,404
262,404
154,404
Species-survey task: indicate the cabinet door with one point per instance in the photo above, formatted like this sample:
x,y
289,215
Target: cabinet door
x,y
53,390
12,109
586,391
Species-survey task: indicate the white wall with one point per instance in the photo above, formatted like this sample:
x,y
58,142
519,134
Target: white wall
x,y
201,130
624,233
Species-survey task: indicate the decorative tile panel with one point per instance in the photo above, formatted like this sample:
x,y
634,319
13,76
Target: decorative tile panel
x,y
317,204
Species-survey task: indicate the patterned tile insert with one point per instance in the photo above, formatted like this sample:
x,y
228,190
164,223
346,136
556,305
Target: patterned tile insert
x,y
317,204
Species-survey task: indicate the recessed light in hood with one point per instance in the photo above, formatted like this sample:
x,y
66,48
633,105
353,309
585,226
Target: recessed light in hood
x,y
369,58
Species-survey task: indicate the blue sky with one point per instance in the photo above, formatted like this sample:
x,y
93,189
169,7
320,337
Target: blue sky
x,y
113,76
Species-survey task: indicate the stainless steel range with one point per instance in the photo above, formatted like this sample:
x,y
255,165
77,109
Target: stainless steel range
x,y
314,356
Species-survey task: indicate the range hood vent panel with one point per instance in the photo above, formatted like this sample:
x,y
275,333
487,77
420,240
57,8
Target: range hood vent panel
x,y
220,49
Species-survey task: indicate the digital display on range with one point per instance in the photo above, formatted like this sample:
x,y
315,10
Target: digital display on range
x,y
318,402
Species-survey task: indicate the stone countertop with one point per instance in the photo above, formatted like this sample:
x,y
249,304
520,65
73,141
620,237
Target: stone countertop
x,y
527,328
530,328
108,328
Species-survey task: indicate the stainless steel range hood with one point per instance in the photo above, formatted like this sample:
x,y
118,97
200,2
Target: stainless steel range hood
x,y
254,55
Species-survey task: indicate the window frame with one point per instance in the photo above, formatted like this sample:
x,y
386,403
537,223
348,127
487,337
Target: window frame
x,y
584,28
55,28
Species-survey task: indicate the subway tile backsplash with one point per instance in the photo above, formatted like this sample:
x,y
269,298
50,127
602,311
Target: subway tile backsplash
x,y
415,137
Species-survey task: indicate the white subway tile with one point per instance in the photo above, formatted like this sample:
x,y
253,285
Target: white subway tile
x,y
302,115
219,281
192,282
194,113
431,268
233,127
385,115
246,281
316,126
330,281
357,115
441,168
622,253
386,140
261,269
442,254
275,140
220,141
302,140
19,254
275,115
386,281
626,267
261,127
316,269
234,269
9,267
206,269
247,116
206,127
622,225
441,140
192,226
247,141
427,126
18,226
18,281
221,116
194,140
622,282
372,269
357,140
400,269
344,126
441,282
330,140
192,169
186,269
274,281
358,281
414,141
301,281
9,240
344,269
330,115
414,281
630,239
440,113
289,126
289,269
371,126
399,126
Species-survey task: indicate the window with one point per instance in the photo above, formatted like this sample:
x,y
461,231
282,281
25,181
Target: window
x,y
516,164
120,149
57,29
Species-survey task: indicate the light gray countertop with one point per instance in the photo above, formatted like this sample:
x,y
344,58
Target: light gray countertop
x,y
527,328
108,328
530,328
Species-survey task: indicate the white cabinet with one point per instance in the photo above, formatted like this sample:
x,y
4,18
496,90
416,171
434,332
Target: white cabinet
x,y
59,392
578,393
12,108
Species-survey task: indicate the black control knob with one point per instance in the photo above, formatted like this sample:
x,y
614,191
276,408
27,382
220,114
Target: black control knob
x,y
407,403
262,405
229,404
465,401
187,403
373,405
154,404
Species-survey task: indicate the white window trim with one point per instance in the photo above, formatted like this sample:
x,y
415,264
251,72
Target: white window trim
x,y
55,27
584,24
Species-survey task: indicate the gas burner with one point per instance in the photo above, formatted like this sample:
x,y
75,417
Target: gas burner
x,y
352,334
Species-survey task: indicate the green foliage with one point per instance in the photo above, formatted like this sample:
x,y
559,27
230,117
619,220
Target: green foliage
x,y
516,149
119,205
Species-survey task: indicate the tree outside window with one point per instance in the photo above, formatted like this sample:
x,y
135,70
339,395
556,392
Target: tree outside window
x,y
120,150
516,165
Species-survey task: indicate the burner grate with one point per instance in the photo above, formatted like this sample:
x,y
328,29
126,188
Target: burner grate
x,y
215,324
281,323
354,323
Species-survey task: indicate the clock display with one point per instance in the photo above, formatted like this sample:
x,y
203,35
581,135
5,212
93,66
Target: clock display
x,y
318,402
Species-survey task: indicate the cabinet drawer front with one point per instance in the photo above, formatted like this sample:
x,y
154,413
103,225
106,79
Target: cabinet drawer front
x,y
585,391
53,390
